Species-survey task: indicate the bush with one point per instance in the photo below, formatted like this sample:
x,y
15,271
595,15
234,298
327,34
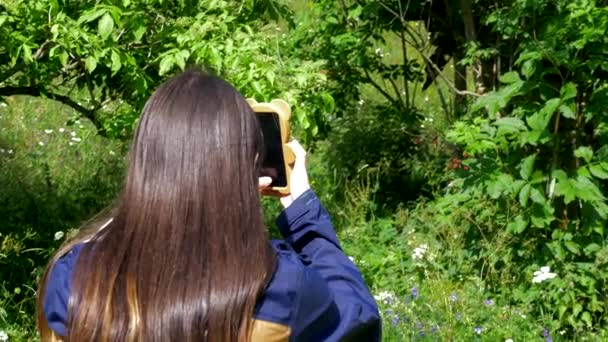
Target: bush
x,y
374,142
53,177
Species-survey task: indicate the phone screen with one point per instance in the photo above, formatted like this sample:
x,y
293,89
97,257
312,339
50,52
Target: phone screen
x,y
273,164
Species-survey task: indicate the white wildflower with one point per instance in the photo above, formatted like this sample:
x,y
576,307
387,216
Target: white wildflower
x,y
58,235
379,52
361,102
72,133
420,251
71,143
2,104
386,297
76,139
48,131
112,153
509,340
426,98
41,143
542,275
351,258
9,151
3,336
61,130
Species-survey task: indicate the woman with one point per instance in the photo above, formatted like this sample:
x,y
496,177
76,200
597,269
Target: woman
x,y
186,256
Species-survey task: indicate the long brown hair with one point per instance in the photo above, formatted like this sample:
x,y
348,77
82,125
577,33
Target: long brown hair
x,y
186,254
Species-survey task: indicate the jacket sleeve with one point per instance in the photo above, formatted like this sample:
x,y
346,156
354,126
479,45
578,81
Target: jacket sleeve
x,y
346,310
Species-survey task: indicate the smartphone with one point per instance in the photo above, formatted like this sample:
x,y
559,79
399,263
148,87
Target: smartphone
x,y
273,160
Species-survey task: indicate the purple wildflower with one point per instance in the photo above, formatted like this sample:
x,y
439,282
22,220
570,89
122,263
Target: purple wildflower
x,y
547,335
395,320
388,311
488,302
478,330
414,292
458,316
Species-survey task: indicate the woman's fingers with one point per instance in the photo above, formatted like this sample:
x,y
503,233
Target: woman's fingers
x,y
264,182
298,150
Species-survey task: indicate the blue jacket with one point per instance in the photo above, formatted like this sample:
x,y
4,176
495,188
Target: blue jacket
x,y
316,293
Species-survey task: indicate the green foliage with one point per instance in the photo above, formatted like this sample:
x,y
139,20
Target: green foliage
x,y
88,54
540,153
53,177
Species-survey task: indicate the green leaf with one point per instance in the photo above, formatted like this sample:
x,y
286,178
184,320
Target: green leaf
x,y
329,104
90,15
586,317
524,195
567,112
138,33
584,152
106,26
591,249
528,69
510,125
587,190
572,247
568,91
565,186
90,63
116,64
537,196
3,19
518,225
63,58
527,166
256,86
598,172
27,53
510,77
270,76
181,58
576,309
539,120
166,64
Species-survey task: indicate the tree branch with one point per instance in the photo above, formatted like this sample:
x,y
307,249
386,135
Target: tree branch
x,y
442,76
34,91
379,88
20,66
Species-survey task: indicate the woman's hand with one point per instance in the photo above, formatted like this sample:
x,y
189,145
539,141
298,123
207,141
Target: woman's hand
x,y
299,177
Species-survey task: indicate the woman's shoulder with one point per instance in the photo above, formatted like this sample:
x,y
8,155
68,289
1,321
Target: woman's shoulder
x,y
57,290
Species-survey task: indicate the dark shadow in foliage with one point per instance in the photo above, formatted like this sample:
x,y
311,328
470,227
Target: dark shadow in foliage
x,y
390,145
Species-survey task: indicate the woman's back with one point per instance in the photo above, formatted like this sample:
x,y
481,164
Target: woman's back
x,y
186,256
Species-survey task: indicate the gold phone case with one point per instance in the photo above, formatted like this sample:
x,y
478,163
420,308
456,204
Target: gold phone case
x,y
281,108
